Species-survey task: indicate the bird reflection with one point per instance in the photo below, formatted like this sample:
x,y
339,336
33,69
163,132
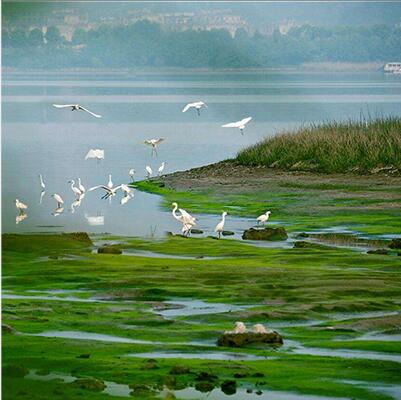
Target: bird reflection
x,y
95,220
153,229
76,203
20,217
42,193
125,199
58,211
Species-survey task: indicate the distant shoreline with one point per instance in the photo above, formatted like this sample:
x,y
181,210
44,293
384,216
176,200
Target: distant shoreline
x,y
304,68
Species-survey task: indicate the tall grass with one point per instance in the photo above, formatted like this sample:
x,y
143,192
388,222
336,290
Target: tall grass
x,y
357,146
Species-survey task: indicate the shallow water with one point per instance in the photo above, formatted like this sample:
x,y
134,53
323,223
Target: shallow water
x,y
37,138
393,391
205,355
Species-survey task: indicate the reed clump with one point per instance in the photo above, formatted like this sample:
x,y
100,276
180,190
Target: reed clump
x,y
366,146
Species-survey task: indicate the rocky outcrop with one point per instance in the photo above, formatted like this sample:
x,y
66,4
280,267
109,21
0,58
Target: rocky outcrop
x,y
7,329
243,339
379,251
308,245
92,384
265,234
395,244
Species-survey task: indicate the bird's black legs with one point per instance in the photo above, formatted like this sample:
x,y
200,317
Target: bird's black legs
x,y
198,111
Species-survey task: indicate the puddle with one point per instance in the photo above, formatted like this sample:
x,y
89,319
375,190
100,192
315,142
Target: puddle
x,y
296,348
205,355
359,315
185,308
10,295
151,254
241,394
393,391
375,336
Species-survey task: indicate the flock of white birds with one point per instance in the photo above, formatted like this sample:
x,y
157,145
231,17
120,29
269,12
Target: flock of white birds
x,y
109,190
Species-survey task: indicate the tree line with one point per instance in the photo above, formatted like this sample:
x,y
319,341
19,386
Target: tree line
x,y
145,44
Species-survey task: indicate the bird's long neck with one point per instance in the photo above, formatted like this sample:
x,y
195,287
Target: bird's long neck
x,y
174,212
72,184
41,180
223,218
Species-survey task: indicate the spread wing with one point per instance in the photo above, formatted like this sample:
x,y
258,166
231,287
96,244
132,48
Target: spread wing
x,y
90,112
245,120
63,105
232,125
100,187
188,106
157,141
91,154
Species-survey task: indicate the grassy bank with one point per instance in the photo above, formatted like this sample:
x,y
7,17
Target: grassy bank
x,y
334,147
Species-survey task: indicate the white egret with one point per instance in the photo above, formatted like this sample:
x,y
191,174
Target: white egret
x,y
98,154
20,217
186,228
161,168
239,124
110,182
131,173
21,207
58,198
149,171
42,184
220,226
197,105
185,217
259,328
76,107
264,217
239,328
76,191
109,191
153,143
81,187
126,189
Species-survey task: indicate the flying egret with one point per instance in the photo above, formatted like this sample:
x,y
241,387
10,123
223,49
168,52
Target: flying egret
x,y
110,182
81,187
239,124
95,153
42,184
220,226
149,171
264,217
59,199
185,217
20,206
153,143
161,168
131,173
197,105
76,107
76,191
109,191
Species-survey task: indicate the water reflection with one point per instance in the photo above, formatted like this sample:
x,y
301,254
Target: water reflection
x,y
95,220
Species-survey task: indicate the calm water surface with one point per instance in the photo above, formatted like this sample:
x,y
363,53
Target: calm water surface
x,y
37,138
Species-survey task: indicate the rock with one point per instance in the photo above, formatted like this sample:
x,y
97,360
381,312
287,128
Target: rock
x,y
92,384
84,355
300,244
259,392
205,376
378,251
395,244
242,339
15,371
228,233
302,235
196,231
109,250
7,329
229,387
179,370
204,387
80,236
265,234
240,375
249,390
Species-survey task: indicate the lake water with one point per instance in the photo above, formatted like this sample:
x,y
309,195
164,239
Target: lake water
x,y
38,138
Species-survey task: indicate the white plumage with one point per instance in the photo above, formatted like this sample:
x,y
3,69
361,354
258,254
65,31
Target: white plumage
x,y
42,184
259,328
198,105
220,226
20,205
110,182
149,171
81,187
76,107
109,191
76,191
58,198
161,168
239,328
95,153
239,124
131,173
153,143
264,217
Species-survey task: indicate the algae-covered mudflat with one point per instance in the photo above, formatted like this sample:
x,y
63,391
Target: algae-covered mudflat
x,y
145,323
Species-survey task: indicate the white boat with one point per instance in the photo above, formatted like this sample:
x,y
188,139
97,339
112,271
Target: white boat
x,y
392,67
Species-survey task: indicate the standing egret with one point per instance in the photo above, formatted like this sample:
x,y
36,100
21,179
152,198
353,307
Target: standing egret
x,y
98,154
76,191
153,143
197,105
131,173
109,191
110,182
42,184
81,187
239,124
264,217
21,207
185,217
161,168
76,107
149,171
220,226
58,198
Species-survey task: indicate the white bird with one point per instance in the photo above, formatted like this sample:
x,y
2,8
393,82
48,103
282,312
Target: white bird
x,y
220,226
126,198
131,173
95,153
153,143
126,189
197,105
76,203
259,328
58,198
109,191
239,328
42,193
81,187
264,217
76,191
186,228
110,182
149,171
161,168
239,124
185,217
76,107
42,184
20,206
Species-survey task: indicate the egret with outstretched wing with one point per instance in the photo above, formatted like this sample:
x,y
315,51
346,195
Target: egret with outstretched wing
x,y
76,107
153,143
198,105
239,124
